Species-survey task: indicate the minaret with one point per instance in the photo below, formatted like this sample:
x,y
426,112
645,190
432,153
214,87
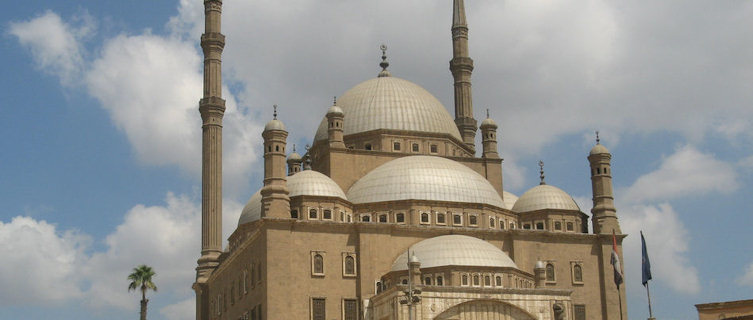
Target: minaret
x,y
274,195
212,109
335,126
604,214
489,138
461,67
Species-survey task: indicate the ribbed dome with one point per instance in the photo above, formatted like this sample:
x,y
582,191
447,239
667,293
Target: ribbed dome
x,y
391,103
424,178
454,250
313,183
252,211
509,199
545,197
308,182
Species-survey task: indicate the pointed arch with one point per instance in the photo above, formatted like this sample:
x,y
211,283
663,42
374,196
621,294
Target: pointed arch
x,y
495,308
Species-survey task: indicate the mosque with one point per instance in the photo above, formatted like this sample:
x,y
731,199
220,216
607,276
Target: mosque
x,y
390,214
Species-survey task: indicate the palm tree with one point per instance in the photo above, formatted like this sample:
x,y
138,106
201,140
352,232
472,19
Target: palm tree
x,y
142,278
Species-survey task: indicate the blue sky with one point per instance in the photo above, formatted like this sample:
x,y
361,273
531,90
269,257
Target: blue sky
x,y
101,128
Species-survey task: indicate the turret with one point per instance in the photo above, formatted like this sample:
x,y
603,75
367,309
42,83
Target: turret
x,y
294,162
461,67
604,214
212,110
489,137
275,200
539,274
335,126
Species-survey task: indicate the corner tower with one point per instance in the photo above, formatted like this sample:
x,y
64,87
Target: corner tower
x,y
274,195
212,109
461,67
604,214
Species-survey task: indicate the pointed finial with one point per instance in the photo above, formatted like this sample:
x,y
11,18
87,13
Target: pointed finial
x,y
384,64
275,112
294,147
541,172
597,137
487,113
334,101
307,147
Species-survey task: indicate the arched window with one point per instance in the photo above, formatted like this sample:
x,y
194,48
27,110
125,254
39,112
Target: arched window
x,y
427,281
488,281
457,219
557,225
502,224
396,146
312,214
440,281
378,287
424,217
382,218
476,280
367,146
512,225
328,214
491,222
405,281
350,265
365,218
400,217
498,281
415,147
318,264
465,279
549,272
440,218
577,273
473,220
294,214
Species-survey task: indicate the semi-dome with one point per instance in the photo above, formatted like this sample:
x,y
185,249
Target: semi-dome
x,y
424,178
454,250
313,183
545,197
391,103
308,183
509,199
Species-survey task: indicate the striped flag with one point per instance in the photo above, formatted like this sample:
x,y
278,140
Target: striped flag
x,y
616,262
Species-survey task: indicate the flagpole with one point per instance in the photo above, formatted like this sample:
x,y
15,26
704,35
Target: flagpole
x,y
619,297
650,313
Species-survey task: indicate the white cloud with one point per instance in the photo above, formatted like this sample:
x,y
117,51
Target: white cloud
x,y
747,278
42,264
667,242
686,172
54,44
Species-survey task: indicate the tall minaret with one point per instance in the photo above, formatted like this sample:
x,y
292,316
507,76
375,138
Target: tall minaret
x,y
604,214
212,109
461,67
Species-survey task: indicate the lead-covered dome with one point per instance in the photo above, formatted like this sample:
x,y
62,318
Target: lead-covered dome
x,y
509,199
454,250
545,197
391,103
424,178
304,183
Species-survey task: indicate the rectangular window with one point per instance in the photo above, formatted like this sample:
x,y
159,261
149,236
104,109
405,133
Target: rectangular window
x,y
570,226
539,225
400,218
440,218
473,220
557,225
434,148
312,214
527,226
424,218
457,219
580,311
383,218
318,309
396,146
415,147
350,309
328,214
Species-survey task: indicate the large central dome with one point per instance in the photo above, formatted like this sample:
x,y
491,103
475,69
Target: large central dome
x,y
391,103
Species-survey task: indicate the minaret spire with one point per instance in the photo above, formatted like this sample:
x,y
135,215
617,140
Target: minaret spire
x,y
461,67
384,64
541,172
212,110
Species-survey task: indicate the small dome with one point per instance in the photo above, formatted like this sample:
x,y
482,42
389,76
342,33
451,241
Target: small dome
x,y
391,103
454,250
509,199
274,125
599,149
309,183
488,122
252,211
539,265
294,156
313,183
424,178
335,110
545,197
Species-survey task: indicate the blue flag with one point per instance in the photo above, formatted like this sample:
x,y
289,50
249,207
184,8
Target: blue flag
x,y
646,263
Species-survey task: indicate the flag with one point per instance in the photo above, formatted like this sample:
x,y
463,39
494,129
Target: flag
x,y
646,264
616,262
